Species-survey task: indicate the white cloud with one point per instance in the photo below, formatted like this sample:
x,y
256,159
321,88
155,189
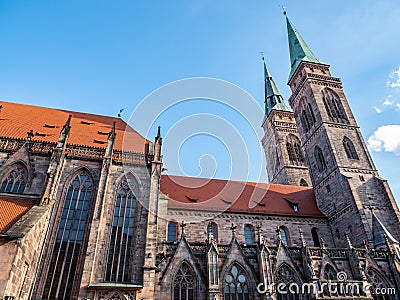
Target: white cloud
x,y
386,138
394,79
387,102
397,106
377,110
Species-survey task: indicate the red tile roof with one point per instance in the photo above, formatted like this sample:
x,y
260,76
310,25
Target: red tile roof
x,y
86,129
11,210
240,197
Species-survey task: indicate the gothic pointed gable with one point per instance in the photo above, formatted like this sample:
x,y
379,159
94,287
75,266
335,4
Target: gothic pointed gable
x,y
283,258
182,253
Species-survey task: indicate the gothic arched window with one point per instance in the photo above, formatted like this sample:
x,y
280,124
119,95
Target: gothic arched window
x,y
329,273
334,107
284,235
294,150
236,284
377,283
349,148
184,286
319,157
122,233
314,233
286,276
70,237
214,230
307,117
303,182
172,234
248,235
14,181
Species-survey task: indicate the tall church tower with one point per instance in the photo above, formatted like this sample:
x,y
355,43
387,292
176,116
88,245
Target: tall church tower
x,y
285,159
346,182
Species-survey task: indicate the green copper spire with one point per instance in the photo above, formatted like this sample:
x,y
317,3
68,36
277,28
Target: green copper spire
x,y
273,99
298,49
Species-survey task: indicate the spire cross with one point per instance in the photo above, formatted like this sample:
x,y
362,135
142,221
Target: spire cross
x,y
303,242
284,9
233,228
183,225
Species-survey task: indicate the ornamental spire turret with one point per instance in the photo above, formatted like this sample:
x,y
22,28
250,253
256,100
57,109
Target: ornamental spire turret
x,y
273,98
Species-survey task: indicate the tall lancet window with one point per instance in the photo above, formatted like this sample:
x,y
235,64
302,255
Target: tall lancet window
x,y
236,284
349,148
70,237
119,253
294,150
15,181
213,267
319,157
334,107
184,285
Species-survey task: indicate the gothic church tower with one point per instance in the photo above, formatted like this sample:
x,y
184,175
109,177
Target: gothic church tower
x,y
285,159
346,182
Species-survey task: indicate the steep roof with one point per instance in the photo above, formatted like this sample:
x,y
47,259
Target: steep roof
x,y
273,98
191,193
11,210
86,129
299,51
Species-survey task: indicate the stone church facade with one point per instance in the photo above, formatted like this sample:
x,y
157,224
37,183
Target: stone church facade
x,y
86,213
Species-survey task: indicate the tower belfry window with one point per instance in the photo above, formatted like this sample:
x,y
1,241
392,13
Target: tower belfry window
x,y
294,150
350,149
319,157
334,107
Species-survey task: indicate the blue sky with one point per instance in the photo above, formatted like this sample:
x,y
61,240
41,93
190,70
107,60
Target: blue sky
x,y
100,56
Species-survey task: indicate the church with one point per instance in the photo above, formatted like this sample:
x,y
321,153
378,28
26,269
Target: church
x,y
87,213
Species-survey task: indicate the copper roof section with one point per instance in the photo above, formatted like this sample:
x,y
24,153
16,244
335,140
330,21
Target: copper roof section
x,y
192,193
86,129
11,210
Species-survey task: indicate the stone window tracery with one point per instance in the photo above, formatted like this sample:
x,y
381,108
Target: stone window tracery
x,y
285,275
334,107
236,284
184,285
294,150
70,236
14,181
119,253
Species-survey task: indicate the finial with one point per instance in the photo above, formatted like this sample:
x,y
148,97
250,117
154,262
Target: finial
x,y
278,231
365,245
159,131
284,10
233,228
322,244
262,55
346,235
112,132
120,112
30,135
259,232
183,225
303,242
